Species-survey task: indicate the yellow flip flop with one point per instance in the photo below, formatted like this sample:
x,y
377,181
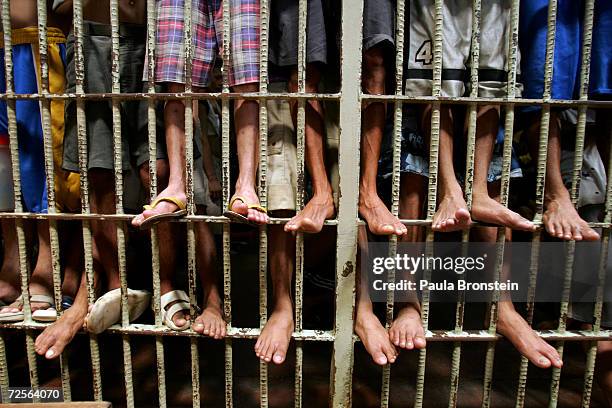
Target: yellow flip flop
x,y
155,219
240,218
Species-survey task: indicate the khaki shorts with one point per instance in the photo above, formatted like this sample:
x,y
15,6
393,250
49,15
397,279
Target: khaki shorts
x,y
282,152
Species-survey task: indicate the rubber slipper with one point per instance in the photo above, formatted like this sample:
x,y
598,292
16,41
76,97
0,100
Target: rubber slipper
x,y
156,219
106,311
180,302
12,317
241,218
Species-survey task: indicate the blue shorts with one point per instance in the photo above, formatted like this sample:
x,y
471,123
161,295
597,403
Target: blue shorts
x,y
29,128
568,49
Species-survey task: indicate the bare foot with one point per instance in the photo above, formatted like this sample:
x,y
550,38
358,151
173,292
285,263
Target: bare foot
x,y
274,339
210,322
163,207
513,327
311,218
407,329
375,338
242,207
52,341
485,209
379,218
452,214
562,221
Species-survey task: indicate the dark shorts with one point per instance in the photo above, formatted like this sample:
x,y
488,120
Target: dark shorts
x,y
284,33
378,23
134,124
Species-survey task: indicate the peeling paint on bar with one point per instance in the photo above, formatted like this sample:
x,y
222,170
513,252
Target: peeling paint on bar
x,y
299,241
45,106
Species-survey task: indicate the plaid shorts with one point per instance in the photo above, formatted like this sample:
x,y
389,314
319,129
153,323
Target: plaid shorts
x,y
207,28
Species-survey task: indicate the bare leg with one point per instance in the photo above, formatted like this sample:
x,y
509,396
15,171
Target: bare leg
x,y
210,322
373,335
174,119
561,219
9,274
104,232
484,208
171,235
321,205
603,369
41,281
274,339
452,213
52,341
246,119
407,329
73,270
510,323
371,208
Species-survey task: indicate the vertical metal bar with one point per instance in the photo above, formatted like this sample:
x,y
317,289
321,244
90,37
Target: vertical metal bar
x,y
189,180
299,244
152,131
4,372
504,192
225,169
434,147
589,371
576,174
84,186
121,226
45,105
263,190
469,183
13,144
395,184
346,248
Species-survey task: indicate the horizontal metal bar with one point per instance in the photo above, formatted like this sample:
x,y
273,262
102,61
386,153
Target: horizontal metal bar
x,y
149,329
487,101
172,96
595,104
224,220
325,335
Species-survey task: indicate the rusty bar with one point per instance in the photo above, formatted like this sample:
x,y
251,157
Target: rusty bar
x,y
45,106
299,242
121,227
263,190
152,138
432,187
24,267
84,187
395,180
225,170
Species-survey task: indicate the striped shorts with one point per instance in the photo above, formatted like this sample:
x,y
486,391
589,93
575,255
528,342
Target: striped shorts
x,y
207,41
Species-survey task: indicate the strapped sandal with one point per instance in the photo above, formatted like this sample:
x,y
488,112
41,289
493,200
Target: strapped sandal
x,y
180,302
155,219
240,218
13,317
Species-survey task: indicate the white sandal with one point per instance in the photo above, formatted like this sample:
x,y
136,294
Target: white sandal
x,y
106,311
181,303
13,317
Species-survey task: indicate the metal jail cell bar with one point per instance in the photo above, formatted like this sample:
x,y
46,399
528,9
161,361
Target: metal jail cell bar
x,y
350,100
